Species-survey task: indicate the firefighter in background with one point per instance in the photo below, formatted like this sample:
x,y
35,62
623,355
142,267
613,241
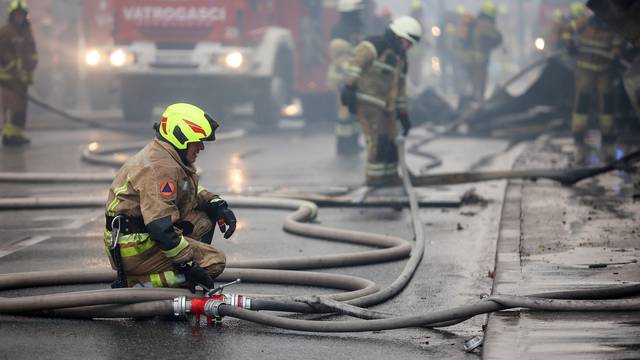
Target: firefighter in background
x,y
483,38
159,221
576,18
418,52
18,60
375,91
347,33
596,48
557,28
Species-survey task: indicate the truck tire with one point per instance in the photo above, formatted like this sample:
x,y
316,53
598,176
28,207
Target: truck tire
x,y
135,106
267,108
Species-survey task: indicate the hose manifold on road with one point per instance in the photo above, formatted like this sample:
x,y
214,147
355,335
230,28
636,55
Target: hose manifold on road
x,y
357,294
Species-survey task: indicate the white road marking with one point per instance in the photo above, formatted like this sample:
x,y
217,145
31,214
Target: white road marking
x,y
19,245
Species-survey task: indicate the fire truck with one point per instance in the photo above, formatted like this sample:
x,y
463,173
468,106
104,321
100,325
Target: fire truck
x,y
216,53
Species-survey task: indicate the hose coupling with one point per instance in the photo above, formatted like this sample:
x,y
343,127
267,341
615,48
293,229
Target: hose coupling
x,y
208,306
212,306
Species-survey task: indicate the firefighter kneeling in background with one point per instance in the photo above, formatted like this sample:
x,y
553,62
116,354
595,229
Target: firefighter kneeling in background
x,y
18,60
344,36
596,48
159,222
375,91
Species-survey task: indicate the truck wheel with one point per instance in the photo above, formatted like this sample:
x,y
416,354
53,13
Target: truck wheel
x,y
267,109
135,108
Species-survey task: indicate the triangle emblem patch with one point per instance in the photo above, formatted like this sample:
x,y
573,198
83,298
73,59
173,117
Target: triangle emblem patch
x,y
167,188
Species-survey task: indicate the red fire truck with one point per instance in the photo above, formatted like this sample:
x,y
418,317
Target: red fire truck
x,y
217,53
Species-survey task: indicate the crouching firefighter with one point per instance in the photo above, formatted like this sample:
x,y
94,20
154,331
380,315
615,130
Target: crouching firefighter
x,y
159,221
375,90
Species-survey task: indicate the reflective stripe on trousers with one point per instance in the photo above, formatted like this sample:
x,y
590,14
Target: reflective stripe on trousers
x,y
139,243
370,99
130,244
381,169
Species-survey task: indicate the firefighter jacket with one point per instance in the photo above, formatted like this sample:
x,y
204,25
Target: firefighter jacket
x,y
377,70
483,38
597,46
344,36
18,55
339,55
157,186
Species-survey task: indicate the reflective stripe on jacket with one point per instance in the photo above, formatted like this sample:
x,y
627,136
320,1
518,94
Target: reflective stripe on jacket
x,y
18,54
379,78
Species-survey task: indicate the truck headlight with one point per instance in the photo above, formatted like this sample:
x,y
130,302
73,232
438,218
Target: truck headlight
x,y
93,57
120,57
539,43
234,60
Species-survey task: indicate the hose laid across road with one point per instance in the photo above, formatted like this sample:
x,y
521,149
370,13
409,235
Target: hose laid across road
x,y
149,302
363,294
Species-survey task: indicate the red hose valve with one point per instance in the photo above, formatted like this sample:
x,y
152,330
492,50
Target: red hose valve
x,y
208,306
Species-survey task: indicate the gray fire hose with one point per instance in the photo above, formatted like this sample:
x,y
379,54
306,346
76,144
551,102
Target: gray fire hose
x,y
103,303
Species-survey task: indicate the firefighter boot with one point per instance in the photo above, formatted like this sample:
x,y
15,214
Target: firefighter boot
x,y
384,181
580,155
13,136
347,136
608,153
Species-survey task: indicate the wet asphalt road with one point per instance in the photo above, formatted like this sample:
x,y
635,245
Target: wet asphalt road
x,y
460,249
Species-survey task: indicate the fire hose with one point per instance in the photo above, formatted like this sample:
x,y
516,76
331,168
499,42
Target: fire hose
x,y
171,302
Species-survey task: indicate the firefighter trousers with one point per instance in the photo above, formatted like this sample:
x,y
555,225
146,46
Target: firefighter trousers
x,y
14,108
478,76
380,130
588,84
347,131
146,265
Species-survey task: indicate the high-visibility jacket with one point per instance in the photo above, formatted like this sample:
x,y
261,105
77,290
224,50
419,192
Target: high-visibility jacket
x,y
378,72
344,36
597,45
18,54
339,54
484,37
155,184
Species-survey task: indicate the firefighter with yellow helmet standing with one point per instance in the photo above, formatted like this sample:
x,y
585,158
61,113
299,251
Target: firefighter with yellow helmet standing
x,y
375,91
159,221
596,48
483,38
347,33
18,61
576,18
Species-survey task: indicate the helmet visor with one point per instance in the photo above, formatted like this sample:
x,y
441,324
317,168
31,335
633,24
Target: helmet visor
x,y
214,126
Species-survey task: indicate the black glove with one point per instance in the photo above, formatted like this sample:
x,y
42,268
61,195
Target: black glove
x,y
196,275
218,211
348,98
406,123
185,226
